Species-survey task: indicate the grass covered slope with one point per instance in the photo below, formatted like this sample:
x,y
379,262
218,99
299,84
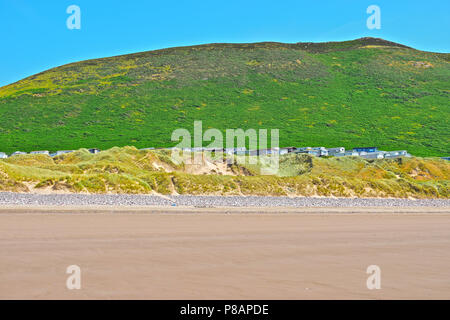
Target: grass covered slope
x,y
362,92
128,170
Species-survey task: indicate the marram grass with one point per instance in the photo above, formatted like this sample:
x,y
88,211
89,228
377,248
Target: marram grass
x,y
129,170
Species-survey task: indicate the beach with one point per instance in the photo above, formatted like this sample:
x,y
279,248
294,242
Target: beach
x,y
144,252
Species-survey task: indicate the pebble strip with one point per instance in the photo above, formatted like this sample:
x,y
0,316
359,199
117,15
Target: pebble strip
x,y
10,198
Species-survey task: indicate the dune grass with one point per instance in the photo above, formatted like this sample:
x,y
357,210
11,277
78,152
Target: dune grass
x,y
129,170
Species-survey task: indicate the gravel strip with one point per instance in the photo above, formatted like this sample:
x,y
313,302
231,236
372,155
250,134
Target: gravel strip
x,y
10,198
255,201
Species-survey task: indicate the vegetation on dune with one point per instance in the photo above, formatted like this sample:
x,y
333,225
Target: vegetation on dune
x,y
362,92
129,170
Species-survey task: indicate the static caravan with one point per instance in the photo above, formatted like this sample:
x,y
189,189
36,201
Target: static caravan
x,y
366,149
60,152
396,154
373,155
346,154
310,152
40,152
17,153
286,150
333,151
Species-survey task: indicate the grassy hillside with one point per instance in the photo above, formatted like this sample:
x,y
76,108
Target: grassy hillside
x,y
128,170
354,93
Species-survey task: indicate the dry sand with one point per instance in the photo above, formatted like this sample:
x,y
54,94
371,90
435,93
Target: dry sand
x,y
188,253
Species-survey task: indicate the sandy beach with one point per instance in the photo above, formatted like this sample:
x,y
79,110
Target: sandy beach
x,y
218,253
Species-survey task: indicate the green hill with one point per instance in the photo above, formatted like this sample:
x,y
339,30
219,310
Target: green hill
x,y
353,93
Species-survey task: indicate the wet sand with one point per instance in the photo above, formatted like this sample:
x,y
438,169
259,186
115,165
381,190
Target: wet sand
x,y
248,253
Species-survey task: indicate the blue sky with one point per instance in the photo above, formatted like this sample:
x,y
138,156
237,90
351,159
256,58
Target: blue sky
x,y
34,35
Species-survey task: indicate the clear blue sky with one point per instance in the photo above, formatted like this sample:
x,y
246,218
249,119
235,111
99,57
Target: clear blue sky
x,y
34,35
